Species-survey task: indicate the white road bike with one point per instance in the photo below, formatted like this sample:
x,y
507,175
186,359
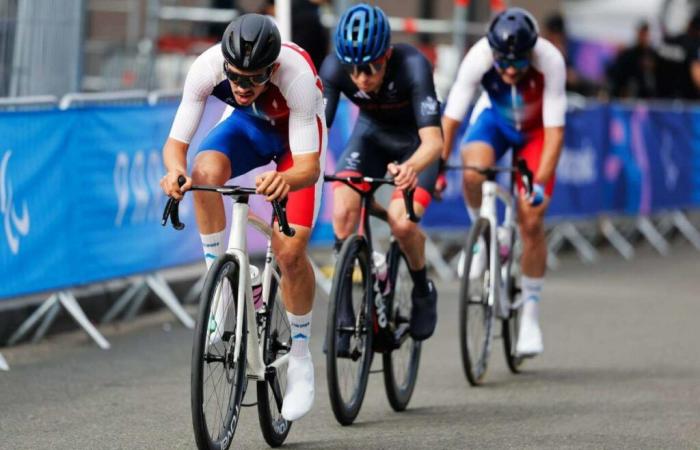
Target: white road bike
x,y
490,291
246,344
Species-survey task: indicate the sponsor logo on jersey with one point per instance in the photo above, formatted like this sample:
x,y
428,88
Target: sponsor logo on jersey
x,y
429,106
362,95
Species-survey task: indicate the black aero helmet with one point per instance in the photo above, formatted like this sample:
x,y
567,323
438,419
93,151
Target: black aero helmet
x,y
512,33
251,42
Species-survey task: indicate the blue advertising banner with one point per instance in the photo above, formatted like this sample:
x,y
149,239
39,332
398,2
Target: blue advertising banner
x,y
80,200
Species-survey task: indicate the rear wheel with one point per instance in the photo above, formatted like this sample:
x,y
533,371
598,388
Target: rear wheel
x,y
476,315
276,342
218,379
400,364
349,330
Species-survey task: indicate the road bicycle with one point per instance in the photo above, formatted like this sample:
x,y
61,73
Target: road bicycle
x,y
367,314
490,291
245,343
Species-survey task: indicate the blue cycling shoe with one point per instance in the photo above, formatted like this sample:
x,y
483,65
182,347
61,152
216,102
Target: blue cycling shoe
x,y
424,313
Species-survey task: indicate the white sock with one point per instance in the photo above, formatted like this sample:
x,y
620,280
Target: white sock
x,y
213,246
474,213
301,331
532,288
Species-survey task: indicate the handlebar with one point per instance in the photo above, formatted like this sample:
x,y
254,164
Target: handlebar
x,y
521,168
376,182
279,208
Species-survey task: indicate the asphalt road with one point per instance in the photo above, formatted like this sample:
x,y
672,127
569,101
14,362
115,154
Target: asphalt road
x,y
621,369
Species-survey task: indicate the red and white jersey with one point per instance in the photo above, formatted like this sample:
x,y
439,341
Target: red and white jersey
x,y
292,103
537,99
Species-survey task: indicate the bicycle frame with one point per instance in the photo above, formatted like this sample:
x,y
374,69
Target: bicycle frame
x,y
238,248
492,192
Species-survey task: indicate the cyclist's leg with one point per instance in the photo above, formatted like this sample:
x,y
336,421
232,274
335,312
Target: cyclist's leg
x,y
411,238
534,257
232,148
298,285
483,144
361,157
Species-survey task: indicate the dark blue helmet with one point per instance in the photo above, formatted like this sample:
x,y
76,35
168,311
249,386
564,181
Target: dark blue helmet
x,y
362,35
513,33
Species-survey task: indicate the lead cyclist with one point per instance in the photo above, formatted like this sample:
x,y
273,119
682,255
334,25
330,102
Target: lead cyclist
x,y
279,117
523,107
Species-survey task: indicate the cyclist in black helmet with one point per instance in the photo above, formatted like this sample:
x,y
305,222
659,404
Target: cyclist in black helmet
x,y
278,117
398,131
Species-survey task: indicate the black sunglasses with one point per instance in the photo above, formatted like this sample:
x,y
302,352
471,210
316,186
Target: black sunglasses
x,y
368,68
248,80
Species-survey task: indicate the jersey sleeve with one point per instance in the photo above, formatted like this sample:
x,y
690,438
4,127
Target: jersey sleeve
x,y
331,89
551,63
199,84
425,105
475,64
307,125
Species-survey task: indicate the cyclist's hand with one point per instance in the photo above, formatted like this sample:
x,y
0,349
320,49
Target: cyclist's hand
x,y
272,184
440,186
171,187
404,175
536,197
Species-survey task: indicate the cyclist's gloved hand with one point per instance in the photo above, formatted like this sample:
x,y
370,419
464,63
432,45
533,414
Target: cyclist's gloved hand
x,y
404,175
441,182
537,196
272,184
171,187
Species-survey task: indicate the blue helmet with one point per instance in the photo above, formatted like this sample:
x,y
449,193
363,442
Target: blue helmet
x,y
513,33
362,35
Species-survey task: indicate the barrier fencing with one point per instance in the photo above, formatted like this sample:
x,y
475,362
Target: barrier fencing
x,y
84,171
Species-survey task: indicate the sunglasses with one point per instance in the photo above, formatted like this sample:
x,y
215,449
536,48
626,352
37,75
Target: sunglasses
x,y
368,68
518,64
246,81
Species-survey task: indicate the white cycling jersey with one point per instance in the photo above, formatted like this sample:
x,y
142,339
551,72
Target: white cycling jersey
x,y
538,99
293,102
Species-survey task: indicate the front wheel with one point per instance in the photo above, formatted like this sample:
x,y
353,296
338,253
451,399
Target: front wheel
x,y
400,364
276,342
349,330
511,327
476,313
218,379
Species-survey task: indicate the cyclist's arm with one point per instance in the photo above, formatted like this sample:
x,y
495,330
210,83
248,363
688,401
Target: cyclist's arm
x,y
331,92
307,131
429,149
551,63
426,110
475,64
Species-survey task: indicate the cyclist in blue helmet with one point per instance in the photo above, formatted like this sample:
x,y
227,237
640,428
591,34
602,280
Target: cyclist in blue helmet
x,y
397,131
523,108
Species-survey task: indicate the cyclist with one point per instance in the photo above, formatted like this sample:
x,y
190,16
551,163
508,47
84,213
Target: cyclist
x,y
398,130
279,117
522,107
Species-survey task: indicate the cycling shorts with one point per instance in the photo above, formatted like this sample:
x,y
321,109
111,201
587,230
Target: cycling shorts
x,y
251,142
373,146
489,128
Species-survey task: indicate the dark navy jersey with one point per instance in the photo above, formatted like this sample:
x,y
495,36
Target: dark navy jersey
x,y
406,98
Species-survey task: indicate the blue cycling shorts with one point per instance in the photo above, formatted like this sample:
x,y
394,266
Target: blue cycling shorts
x,y
247,141
492,129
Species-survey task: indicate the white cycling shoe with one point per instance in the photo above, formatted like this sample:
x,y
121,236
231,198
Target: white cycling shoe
x,y
530,335
300,388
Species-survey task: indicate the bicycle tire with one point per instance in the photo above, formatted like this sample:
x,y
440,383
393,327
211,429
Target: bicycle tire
x,y
276,341
354,254
222,279
399,391
476,316
510,328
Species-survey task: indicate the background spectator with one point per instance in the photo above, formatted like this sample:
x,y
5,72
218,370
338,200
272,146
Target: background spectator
x,y
635,71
